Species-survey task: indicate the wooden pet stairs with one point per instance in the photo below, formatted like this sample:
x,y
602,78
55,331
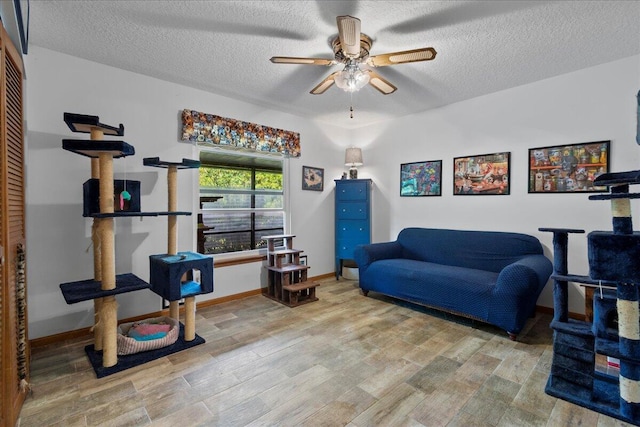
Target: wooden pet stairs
x,y
286,277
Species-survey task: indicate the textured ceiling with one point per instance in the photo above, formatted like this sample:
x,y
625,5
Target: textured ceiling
x,y
224,46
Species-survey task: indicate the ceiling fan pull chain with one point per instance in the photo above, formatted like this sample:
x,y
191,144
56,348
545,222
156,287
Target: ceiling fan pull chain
x,y
351,105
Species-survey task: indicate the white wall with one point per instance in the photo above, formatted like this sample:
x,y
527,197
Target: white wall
x,y
58,236
594,104
590,105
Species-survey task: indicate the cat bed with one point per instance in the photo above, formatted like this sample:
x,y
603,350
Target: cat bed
x,y
148,334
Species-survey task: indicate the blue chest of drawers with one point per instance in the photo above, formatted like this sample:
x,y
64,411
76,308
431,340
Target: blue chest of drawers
x,y
353,218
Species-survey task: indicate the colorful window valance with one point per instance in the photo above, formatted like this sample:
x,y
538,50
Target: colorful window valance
x,y
212,130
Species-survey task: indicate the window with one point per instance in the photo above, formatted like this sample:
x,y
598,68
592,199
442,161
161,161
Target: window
x,y
241,199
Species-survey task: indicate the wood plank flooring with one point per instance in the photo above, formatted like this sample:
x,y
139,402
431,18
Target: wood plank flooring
x,y
345,360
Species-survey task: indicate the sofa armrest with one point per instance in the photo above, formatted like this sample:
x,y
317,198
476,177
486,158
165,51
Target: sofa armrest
x,y
517,290
526,276
364,255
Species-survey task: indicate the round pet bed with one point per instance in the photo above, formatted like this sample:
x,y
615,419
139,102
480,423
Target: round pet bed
x,y
129,345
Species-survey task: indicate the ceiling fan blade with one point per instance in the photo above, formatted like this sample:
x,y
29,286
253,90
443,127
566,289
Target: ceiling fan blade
x,y
403,57
303,61
381,84
349,33
324,85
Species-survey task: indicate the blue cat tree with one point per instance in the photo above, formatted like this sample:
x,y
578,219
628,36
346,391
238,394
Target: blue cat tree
x,y
614,267
172,274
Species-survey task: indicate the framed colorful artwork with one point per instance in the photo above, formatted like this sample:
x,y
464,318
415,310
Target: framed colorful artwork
x,y
421,179
568,168
312,178
482,175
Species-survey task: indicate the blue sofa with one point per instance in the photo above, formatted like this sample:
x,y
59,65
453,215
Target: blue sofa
x,y
494,277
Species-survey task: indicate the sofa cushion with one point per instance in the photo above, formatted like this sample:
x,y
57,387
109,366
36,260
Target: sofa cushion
x,y
473,288
482,250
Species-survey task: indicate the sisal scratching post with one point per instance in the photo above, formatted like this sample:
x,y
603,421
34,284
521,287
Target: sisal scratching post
x,y
109,319
190,318
109,312
172,182
96,135
172,233
172,229
174,310
108,255
106,229
621,216
98,335
97,276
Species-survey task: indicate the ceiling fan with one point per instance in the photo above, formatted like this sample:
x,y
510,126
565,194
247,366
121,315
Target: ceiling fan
x,y
352,48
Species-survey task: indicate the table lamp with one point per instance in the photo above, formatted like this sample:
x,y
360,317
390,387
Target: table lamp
x,y
353,158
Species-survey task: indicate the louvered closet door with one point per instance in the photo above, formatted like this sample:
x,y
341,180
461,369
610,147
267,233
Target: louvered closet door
x,y
14,342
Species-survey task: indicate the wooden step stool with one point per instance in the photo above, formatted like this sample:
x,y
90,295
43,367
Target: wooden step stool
x,y
286,277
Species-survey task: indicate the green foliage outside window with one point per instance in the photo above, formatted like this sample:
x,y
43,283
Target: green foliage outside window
x,y
268,180
212,177
215,177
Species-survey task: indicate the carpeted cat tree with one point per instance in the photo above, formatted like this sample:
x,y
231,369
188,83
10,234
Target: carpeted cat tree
x,y
172,274
614,265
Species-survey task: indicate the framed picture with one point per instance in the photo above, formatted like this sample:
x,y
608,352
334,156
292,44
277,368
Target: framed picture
x,y
480,175
303,259
568,168
421,179
312,178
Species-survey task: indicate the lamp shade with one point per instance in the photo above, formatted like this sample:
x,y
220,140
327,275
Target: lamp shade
x,y
353,157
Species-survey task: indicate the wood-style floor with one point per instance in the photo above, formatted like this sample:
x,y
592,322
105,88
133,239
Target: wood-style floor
x,y
343,360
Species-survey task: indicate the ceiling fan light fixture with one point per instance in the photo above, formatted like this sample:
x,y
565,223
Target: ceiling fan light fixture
x,y
352,48
351,79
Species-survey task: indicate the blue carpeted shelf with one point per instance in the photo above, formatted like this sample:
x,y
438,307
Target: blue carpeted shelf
x,y
93,149
184,164
574,327
84,123
616,178
565,390
86,290
129,214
